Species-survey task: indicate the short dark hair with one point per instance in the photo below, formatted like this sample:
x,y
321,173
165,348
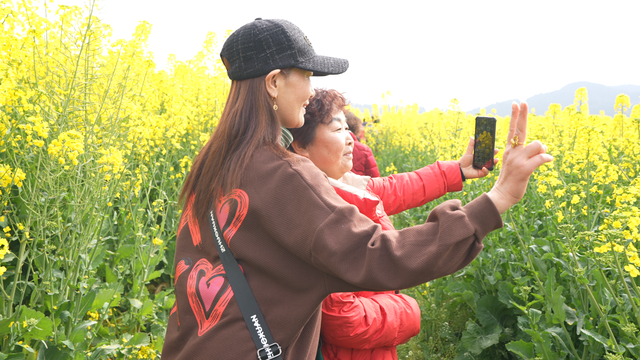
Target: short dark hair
x,y
318,111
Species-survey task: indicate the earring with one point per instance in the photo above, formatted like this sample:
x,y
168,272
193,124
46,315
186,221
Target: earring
x,y
275,106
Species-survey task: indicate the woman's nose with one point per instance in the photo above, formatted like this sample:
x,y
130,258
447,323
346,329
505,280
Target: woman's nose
x,y
349,138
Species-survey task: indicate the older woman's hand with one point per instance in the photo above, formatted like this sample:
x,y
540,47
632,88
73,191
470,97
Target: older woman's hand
x,y
518,161
466,163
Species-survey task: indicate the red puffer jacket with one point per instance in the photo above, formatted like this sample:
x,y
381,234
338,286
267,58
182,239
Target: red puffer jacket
x,y
363,161
369,325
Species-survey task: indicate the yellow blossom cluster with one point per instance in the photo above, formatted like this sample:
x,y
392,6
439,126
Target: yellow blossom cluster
x,y
145,352
69,144
9,176
593,182
112,162
4,250
36,130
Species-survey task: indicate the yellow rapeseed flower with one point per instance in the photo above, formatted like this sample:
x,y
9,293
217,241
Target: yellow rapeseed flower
x,y
633,271
604,248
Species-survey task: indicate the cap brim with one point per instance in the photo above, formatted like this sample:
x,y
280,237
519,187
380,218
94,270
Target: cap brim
x,y
324,65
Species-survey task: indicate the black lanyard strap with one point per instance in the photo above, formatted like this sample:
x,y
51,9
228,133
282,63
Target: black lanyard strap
x,y
268,349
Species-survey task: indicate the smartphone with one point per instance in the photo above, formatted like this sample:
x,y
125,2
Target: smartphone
x,y
485,142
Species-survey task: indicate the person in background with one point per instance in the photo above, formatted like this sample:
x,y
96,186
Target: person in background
x,y
355,124
369,324
363,161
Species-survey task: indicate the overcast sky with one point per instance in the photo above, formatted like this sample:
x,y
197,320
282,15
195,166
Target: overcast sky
x,y
424,52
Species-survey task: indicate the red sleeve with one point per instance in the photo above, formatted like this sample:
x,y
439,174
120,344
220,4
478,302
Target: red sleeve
x,y
404,191
374,320
370,165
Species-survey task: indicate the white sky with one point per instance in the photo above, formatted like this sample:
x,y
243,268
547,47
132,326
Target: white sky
x,y
424,52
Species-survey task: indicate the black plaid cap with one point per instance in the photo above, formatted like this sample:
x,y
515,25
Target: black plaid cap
x,y
261,46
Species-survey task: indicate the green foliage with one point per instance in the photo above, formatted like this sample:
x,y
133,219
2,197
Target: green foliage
x,y
94,146
559,280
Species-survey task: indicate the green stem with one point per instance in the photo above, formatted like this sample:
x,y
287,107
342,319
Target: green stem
x,y
626,288
604,317
573,349
16,276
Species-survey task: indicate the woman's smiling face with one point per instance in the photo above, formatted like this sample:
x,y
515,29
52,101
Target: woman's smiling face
x,y
332,147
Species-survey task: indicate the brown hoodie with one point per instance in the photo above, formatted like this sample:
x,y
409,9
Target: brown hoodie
x,y
287,228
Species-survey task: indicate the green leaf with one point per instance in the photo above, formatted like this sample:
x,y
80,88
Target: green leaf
x,y
491,312
87,302
110,275
109,294
69,344
535,335
597,337
154,275
543,344
135,303
557,303
469,298
476,339
98,258
559,334
125,251
79,333
540,265
51,352
571,316
522,348
523,323
16,356
42,330
506,295
102,352
139,339
534,315
4,326
147,308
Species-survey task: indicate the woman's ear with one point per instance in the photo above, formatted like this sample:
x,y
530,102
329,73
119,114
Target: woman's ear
x,y
299,149
271,81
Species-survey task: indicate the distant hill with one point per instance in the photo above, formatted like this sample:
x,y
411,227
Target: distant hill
x,y
601,97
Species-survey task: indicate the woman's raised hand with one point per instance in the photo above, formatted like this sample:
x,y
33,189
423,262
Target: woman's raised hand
x,y
518,161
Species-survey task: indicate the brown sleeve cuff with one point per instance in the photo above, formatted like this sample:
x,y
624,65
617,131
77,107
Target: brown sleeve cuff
x,y
483,215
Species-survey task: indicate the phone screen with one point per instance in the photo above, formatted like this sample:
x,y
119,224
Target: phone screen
x,y
485,142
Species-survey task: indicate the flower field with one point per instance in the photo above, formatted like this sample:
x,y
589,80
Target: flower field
x,y
560,280
95,142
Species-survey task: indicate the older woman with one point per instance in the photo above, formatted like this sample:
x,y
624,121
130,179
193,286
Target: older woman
x,y
369,325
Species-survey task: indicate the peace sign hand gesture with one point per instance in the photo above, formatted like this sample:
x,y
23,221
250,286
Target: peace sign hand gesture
x,y
518,161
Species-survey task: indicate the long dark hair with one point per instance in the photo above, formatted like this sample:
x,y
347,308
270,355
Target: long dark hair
x,y
248,122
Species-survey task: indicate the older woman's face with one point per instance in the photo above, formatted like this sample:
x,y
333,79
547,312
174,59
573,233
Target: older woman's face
x,y
332,147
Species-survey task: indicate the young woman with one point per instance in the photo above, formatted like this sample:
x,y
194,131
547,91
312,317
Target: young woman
x,y
369,325
284,222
